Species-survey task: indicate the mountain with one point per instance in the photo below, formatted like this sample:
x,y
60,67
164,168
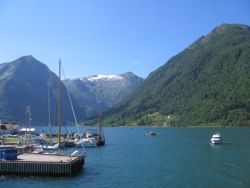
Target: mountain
x,y
25,81
206,84
100,92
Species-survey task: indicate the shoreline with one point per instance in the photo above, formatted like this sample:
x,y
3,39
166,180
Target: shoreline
x,y
175,127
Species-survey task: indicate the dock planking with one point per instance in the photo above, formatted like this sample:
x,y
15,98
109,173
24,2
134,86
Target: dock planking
x,y
29,164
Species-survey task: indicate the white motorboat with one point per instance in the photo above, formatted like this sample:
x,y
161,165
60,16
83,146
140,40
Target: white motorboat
x,y
216,139
86,142
151,133
55,146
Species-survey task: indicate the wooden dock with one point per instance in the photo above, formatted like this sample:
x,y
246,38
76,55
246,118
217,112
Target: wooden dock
x,y
29,164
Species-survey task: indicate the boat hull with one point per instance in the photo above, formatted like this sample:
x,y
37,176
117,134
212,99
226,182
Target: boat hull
x,y
150,134
216,141
87,142
100,143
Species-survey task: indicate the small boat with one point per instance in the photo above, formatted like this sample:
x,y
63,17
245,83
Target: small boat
x,y
216,139
151,133
90,138
100,139
86,142
38,150
69,143
55,146
75,153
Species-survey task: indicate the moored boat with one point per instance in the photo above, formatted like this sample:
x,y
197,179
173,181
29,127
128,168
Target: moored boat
x,y
86,142
55,146
100,139
151,133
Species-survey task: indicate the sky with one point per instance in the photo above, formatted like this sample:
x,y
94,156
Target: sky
x,y
109,36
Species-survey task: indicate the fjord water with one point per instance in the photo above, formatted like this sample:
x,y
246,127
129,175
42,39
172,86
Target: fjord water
x,y
176,157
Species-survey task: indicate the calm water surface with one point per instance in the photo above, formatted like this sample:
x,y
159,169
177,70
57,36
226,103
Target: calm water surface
x,y
177,157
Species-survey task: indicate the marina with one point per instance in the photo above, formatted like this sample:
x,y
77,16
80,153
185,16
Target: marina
x,y
28,154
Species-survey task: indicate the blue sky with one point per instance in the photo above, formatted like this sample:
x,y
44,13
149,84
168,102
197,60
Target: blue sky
x,y
109,36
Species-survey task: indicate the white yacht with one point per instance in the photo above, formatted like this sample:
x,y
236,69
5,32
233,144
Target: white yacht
x,y
86,142
216,139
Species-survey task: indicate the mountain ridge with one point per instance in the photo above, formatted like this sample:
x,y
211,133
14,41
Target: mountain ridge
x,y
26,81
99,92
196,86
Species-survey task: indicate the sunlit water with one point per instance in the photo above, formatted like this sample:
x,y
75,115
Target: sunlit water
x,y
176,157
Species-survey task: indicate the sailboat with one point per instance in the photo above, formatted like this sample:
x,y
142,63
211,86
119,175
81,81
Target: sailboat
x,y
59,143
79,155
100,138
93,137
49,115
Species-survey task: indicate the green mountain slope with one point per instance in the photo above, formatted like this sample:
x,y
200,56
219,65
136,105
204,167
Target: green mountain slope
x,y
206,84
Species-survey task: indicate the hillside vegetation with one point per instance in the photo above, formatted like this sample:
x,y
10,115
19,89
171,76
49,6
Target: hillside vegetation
x,y
206,84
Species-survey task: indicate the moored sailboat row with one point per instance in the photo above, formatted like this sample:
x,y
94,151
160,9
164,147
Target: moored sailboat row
x,y
35,163
39,147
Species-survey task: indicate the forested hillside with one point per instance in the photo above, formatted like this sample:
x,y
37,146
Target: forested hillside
x,y
206,84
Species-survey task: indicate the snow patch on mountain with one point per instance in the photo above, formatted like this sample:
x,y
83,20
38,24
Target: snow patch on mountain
x,y
104,77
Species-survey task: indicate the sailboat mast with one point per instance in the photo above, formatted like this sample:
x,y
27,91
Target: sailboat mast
x,y
29,118
26,125
49,115
99,126
59,100
101,139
